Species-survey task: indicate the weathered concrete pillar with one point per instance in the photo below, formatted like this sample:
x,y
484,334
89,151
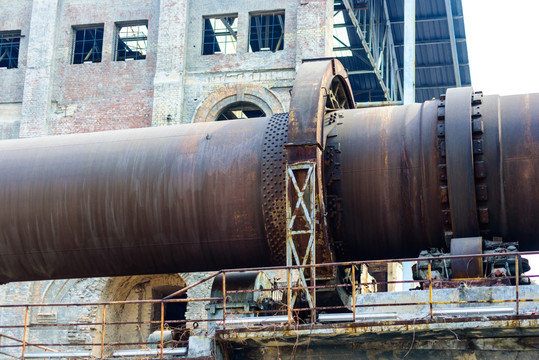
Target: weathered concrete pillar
x,y
170,68
394,273
39,70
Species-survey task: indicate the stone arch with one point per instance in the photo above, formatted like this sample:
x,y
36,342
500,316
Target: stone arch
x,y
252,93
140,287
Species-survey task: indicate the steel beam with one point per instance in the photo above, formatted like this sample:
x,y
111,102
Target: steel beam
x,y
434,42
409,51
394,64
428,19
361,72
417,20
452,37
434,66
363,41
354,53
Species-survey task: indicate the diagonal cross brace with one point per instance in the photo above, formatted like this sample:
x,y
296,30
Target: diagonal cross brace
x,y
308,214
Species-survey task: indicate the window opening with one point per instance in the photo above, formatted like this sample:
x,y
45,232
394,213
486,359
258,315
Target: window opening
x,y
9,49
240,110
220,35
131,42
266,32
174,311
88,45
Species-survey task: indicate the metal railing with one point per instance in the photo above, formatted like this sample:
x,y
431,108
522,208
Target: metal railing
x,y
14,338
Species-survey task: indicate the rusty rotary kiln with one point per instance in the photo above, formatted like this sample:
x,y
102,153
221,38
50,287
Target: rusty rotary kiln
x,y
385,182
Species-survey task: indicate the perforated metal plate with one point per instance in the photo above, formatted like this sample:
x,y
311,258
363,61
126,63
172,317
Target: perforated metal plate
x,y
273,186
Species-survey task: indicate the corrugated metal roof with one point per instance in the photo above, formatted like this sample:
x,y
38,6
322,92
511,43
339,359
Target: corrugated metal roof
x,y
434,62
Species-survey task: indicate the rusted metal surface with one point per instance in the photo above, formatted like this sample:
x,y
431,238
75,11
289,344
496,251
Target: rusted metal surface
x,y
460,162
321,86
310,102
158,200
395,198
467,268
519,118
209,196
245,286
273,185
390,181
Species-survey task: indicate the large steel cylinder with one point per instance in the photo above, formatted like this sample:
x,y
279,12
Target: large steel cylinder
x,y
208,196
156,200
396,187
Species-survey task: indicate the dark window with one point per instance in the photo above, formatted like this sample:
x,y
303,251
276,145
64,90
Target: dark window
x,y
131,41
88,45
9,49
174,314
266,32
220,35
240,110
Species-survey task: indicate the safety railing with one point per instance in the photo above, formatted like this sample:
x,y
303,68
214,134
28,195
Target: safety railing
x,y
103,337
355,313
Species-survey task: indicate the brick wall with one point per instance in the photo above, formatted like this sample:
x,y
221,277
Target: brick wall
x,y
170,71
13,16
110,94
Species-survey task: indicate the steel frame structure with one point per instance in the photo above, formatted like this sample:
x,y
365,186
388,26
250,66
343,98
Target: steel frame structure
x,y
301,221
373,26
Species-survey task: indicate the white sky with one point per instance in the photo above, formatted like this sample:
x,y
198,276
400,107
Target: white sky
x,y
502,46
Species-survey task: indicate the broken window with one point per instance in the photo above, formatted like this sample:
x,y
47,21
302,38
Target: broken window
x,y
240,110
266,32
88,44
132,41
220,35
9,49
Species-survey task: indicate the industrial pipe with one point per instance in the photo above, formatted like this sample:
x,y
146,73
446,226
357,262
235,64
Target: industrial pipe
x,y
395,181
208,196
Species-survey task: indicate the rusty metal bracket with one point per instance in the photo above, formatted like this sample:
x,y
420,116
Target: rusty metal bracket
x,y
320,87
467,267
301,223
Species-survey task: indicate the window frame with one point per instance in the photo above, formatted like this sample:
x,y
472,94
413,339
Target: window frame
x,y
118,27
15,37
275,13
75,29
235,35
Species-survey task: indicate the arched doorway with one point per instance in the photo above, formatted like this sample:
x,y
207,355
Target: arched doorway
x,y
250,99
